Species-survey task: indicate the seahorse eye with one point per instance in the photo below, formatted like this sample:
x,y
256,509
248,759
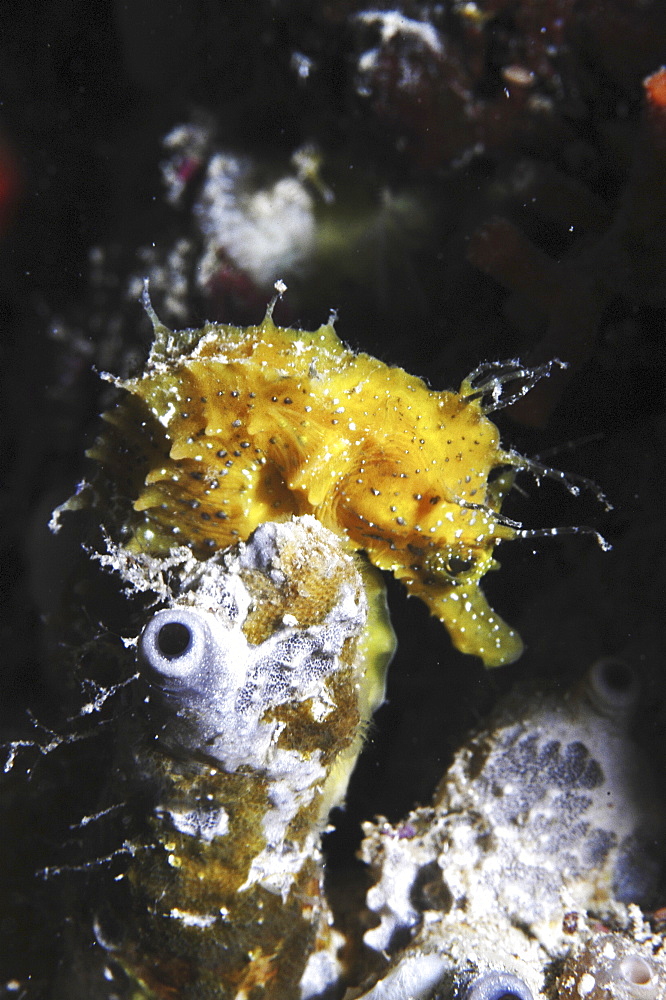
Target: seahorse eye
x,y
175,644
498,986
456,566
445,565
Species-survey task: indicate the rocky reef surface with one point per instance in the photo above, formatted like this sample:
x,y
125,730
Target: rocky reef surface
x,y
547,824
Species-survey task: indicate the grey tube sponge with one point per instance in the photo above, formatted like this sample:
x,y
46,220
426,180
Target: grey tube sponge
x,y
497,985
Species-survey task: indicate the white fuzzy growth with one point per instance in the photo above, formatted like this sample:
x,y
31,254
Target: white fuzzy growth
x,y
188,919
391,898
392,23
587,984
184,142
419,35
265,232
278,863
322,971
276,867
199,823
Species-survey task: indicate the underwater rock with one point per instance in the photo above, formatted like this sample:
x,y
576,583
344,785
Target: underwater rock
x,y
612,966
255,684
600,965
547,813
229,427
621,254
447,83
